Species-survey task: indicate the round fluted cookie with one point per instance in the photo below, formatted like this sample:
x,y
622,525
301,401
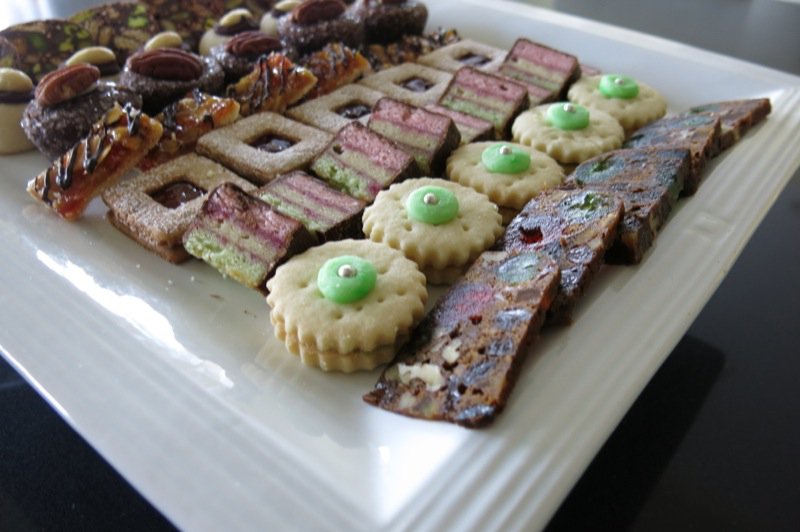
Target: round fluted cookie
x,y
417,217
346,334
633,103
565,141
510,174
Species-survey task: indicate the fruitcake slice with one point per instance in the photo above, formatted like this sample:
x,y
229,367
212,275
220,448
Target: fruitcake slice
x,y
123,27
427,136
546,72
649,182
243,237
115,145
486,96
697,132
187,120
361,162
274,84
464,357
736,117
574,227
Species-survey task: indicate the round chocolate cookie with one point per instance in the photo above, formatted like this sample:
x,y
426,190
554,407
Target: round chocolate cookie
x,y
164,75
314,23
238,56
389,20
56,126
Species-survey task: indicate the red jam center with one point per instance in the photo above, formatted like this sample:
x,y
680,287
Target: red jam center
x,y
177,193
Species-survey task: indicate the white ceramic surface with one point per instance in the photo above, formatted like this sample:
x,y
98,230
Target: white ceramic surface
x,y
172,372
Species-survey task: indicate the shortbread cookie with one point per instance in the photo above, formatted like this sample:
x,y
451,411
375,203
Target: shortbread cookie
x,y
569,133
698,132
16,90
335,110
510,174
464,357
574,227
631,102
361,162
486,96
327,213
156,207
429,137
546,72
736,117
410,83
649,182
346,305
264,145
243,237
115,144
465,52
440,225
471,128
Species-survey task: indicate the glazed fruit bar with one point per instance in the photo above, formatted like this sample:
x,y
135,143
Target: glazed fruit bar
x,y
464,357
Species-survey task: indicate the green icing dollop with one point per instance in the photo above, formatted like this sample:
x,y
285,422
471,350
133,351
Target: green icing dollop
x,y
432,205
346,279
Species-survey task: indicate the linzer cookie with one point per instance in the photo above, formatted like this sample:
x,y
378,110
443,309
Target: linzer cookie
x,y
649,182
346,305
361,162
389,20
187,120
736,117
327,213
567,132
232,23
243,237
408,48
115,144
464,357
486,96
697,132
440,225
333,111
465,52
633,103
264,145
123,27
510,174
67,104
471,128
189,18
16,90
274,84
41,46
155,208
334,66
314,23
239,55
165,75
575,228
428,136
546,72
411,83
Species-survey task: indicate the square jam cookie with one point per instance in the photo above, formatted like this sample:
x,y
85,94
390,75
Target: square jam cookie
x,y
463,53
335,110
410,83
264,145
156,207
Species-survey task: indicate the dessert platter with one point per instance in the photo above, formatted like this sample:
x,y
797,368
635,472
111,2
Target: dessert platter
x,y
189,382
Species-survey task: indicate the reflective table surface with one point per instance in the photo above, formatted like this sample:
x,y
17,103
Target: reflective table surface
x,y
712,443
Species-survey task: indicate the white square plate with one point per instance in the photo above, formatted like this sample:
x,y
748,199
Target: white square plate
x,y
173,374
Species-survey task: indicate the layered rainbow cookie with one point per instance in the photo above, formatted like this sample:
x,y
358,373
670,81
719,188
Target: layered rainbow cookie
x,y
486,96
361,162
243,237
324,211
546,72
471,128
427,136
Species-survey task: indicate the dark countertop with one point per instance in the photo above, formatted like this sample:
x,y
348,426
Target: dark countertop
x,y
713,441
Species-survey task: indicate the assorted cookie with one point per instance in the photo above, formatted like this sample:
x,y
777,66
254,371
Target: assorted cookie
x,y
274,84
547,73
389,20
464,53
411,83
16,91
122,27
736,117
230,25
314,23
346,305
336,110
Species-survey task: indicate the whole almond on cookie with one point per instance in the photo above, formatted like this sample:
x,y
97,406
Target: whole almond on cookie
x,y
66,83
313,11
252,43
166,63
